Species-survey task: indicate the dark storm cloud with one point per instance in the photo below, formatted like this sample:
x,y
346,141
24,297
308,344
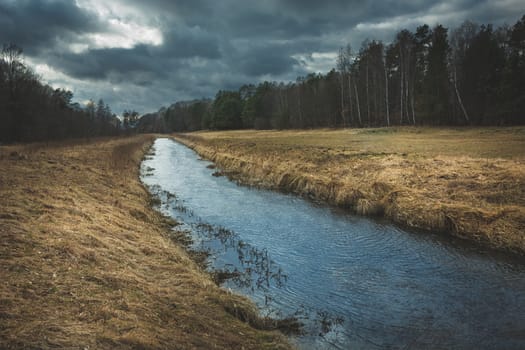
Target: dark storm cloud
x,y
266,60
106,63
268,25
183,42
36,24
182,8
210,45
142,60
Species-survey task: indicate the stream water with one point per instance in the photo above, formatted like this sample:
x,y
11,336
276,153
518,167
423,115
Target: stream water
x,y
355,283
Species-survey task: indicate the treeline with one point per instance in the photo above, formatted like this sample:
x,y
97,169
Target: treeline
x,y
185,115
33,111
472,75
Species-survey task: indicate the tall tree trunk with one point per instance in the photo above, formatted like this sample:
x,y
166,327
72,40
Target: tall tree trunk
x,y
367,95
350,104
357,102
282,103
412,106
300,107
386,98
401,93
342,99
375,91
407,88
412,95
459,97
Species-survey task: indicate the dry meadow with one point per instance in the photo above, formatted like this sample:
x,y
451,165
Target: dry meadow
x,y
86,263
468,182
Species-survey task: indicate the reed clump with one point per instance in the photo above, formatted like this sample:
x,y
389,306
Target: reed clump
x,y
466,182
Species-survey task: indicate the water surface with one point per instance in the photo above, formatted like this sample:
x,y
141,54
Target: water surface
x,y
355,282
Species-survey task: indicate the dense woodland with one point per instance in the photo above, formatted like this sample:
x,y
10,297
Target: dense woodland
x,y
471,75
33,111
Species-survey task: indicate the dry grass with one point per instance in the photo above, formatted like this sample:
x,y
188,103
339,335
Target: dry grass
x,y
85,263
467,182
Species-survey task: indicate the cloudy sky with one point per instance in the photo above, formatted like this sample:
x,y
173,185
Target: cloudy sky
x,y
146,54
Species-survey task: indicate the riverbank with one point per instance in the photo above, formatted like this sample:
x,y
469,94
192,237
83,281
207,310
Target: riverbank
x,y
86,263
466,182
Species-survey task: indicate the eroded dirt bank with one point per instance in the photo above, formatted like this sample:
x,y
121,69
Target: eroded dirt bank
x,y
86,263
466,182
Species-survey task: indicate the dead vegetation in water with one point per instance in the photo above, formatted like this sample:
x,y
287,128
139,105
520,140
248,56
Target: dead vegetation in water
x,y
85,262
467,182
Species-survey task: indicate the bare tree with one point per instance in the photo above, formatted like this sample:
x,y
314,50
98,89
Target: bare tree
x,y
367,93
405,42
357,100
11,58
402,80
342,67
460,41
348,54
386,91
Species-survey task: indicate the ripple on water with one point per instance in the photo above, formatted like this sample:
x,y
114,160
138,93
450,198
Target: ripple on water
x,y
392,288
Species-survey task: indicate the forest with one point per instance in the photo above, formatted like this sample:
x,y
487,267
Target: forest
x,y
471,75
33,111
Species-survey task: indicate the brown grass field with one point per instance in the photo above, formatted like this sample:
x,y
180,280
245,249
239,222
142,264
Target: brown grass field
x,y
466,182
86,263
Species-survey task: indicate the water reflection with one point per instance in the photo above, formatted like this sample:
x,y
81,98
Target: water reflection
x,y
353,282
253,267
248,268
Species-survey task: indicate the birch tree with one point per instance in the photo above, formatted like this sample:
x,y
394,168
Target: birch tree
x,y
460,40
342,68
348,54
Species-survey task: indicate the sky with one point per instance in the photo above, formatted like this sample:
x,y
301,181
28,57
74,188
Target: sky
x,y
142,55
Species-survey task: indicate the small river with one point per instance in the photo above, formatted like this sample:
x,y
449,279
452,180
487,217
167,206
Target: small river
x,y
354,282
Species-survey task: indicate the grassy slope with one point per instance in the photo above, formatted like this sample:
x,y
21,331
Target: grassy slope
x,y
86,263
468,182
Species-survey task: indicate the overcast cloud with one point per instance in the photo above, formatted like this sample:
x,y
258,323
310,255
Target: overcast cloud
x,y
146,54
